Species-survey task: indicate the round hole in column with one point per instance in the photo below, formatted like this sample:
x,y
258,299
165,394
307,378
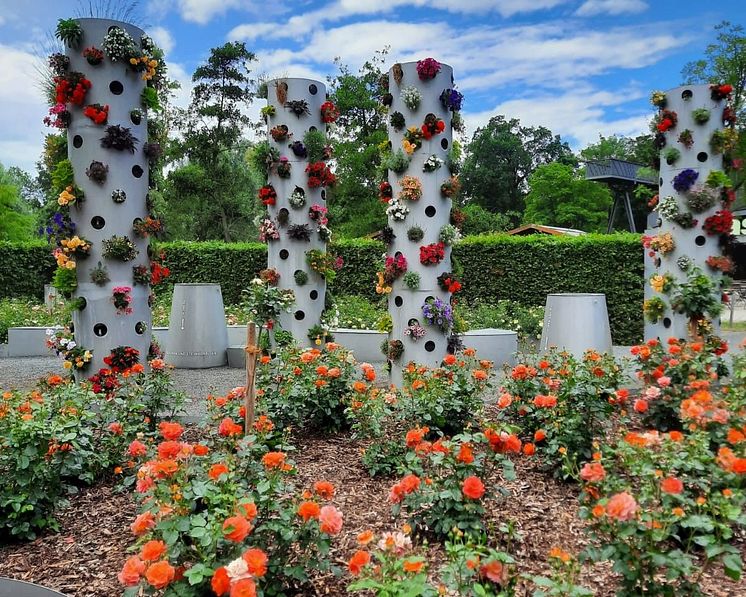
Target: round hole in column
x,y
110,29
429,298
430,211
136,222
314,294
283,216
413,321
398,301
140,328
77,141
72,328
98,222
151,252
444,143
666,322
100,330
116,88
657,262
687,94
397,254
137,171
323,194
702,156
284,254
312,128
313,89
299,315
429,346
135,117
389,145
660,182
81,303
700,241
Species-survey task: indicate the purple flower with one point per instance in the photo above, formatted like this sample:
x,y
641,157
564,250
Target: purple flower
x,y
685,180
451,99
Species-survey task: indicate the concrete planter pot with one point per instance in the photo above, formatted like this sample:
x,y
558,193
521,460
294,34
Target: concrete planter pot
x,y
576,322
19,588
28,342
498,346
197,334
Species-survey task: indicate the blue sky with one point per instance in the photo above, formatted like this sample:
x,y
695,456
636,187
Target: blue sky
x,y
579,67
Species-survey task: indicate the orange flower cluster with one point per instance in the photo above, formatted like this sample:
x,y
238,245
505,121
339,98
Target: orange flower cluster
x,y
701,408
239,577
502,442
407,485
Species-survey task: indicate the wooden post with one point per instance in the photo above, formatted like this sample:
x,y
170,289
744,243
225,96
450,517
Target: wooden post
x,y
249,392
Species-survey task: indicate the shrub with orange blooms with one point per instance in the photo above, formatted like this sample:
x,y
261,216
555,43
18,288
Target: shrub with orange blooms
x,y
446,484
309,388
562,404
656,502
229,499
671,371
391,566
564,579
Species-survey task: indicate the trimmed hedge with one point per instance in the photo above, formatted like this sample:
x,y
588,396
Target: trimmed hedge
x,y
527,268
519,268
25,268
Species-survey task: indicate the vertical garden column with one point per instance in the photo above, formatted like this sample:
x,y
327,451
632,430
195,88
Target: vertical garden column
x,y
684,258
421,98
106,146
295,227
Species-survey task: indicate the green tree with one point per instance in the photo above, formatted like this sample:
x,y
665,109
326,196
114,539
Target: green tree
x,y
639,150
561,196
212,143
724,62
358,138
16,224
500,158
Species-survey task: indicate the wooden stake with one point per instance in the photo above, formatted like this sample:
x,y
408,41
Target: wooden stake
x,y
252,350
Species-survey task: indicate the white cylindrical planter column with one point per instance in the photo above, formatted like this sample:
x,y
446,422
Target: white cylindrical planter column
x,y
98,326
288,255
687,148
430,213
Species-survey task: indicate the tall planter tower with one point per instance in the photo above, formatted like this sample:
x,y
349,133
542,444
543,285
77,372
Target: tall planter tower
x,y
684,259
295,226
115,202
421,103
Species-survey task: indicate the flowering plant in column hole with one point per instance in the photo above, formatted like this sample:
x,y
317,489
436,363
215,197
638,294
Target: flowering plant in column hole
x,y
297,198
397,211
385,191
72,195
432,254
268,195
432,126
93,55
411,97
283,167
119,138
268,230
63,344
411,189
71,87
450,187
719,223
149,227
415,331
59,117
298,107
428,68
658,99
122,299
720,92
317,213
320,175
97,113
329,112
666,120
412,140
120,248
438,313
685,180
280,132
449,282
432,164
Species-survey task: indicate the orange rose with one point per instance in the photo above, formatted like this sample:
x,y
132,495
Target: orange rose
x,y
529,449
256,560
143,523
131,572
360,387
331,520
333,373
236,528
365,537
248,509
170,431
449,359
359,559
465,454
201,450
324,489
479,374
622,506
473,488
153,550
672,485
413,566
160,574
592,472
221,582
245,587
494,571
540,435
308,510
216,470
273,460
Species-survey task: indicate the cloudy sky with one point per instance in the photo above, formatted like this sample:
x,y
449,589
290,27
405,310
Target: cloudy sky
x,y
579,67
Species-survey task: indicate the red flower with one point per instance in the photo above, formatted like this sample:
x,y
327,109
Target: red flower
x,y
473,488
228,427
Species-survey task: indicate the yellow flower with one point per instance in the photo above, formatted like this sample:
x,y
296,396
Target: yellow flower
x,y
67,365
408,147
133,61
657,282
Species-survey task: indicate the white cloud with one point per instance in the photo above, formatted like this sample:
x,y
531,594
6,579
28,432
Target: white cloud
x,y
162,38
612,7
23,108
2,20
579,115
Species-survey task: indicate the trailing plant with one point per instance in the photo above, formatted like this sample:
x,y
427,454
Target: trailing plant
x,y
120,248
119,138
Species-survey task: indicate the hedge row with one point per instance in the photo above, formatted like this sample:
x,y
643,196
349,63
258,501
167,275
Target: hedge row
x,y
524,269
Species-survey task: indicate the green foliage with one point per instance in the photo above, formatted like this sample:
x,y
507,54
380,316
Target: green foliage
x,y
69,32
359,313
15,223
639,150
25,268
500,158
315,142
480,221
62,176
65,281
506,315
559,196
24,313
149,99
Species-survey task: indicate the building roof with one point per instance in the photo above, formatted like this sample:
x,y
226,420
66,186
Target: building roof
x,y
539,229
615,171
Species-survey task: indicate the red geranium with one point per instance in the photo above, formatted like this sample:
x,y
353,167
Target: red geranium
x,y
320,175
97,113
432,254
720,223
268,195
329,112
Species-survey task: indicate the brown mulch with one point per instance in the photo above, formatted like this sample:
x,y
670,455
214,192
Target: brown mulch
x,y
83,559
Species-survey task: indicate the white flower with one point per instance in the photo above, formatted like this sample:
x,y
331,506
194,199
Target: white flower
x,y
50,332
397,542
71,344
257,282
237,570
